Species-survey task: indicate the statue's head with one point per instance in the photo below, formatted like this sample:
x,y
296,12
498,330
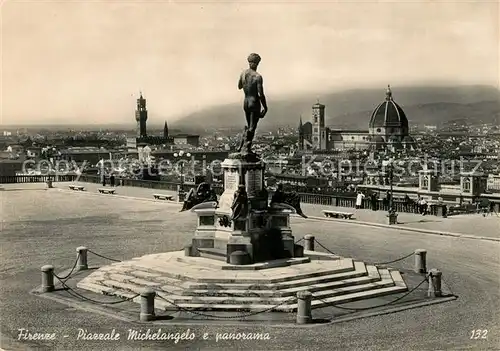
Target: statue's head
x,y
253,60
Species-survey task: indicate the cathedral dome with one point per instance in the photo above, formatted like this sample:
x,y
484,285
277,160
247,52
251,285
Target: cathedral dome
x,y
389,114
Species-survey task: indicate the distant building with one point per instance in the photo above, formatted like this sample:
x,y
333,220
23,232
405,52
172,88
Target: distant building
x,y
143,139
387,129
493,182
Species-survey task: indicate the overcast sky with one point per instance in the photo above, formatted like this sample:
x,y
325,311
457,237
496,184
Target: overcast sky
x,y
86,61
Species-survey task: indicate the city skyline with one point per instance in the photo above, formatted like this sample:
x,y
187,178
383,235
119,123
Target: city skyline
x,y
87,62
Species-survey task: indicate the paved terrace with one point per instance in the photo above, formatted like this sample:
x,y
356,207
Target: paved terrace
x,y
469,224
45,226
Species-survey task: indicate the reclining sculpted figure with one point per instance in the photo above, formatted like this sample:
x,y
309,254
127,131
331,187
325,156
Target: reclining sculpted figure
x,y
289,198
204,193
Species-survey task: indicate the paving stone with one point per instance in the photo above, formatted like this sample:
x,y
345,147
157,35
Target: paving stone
x,y
139,281
120,277
120,285
143,274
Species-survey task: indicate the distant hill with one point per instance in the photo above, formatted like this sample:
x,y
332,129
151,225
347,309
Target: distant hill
x,y
352,108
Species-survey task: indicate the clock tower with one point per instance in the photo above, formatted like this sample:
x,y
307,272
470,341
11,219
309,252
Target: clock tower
x,y
141,116
319,137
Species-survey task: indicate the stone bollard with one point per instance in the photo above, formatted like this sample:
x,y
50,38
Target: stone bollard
x,y
187,250
239,258
147,305
82,258
47,278
434,283
420,261
309,242
304,315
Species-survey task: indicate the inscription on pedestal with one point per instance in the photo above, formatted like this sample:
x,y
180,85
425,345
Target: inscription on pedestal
x,y
231,180
253,180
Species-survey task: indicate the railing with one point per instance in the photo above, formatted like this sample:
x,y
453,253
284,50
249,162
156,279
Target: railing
x,y
35,178
151,184
332,199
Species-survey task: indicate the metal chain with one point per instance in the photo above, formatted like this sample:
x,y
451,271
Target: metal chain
x,y
397,260
107,258
329,251
71,272
249,314
298,241
382,305
74,293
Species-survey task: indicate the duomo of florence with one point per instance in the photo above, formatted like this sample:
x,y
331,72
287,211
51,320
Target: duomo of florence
x,y
387,130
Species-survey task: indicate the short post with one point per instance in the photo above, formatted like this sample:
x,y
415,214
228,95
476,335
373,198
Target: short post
x,y
47,278
82,258
309,242
187,250
435,283
147,305
304,315
181,195
420,261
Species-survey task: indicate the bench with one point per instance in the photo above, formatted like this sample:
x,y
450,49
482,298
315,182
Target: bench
x,y
163,197
338,214
106,191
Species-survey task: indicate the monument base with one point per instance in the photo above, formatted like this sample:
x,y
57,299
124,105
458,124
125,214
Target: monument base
x,y
263,233
198,283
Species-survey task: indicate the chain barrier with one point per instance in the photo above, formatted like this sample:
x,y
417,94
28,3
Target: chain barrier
x,y
397,260
72,292
107,258
249,314
298,241
382,305
324,247
71,272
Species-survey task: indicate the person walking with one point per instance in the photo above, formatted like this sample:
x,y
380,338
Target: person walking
x,y
374,201
423,207
359,200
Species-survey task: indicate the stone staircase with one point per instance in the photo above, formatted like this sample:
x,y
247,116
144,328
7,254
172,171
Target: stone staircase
x,y
203,284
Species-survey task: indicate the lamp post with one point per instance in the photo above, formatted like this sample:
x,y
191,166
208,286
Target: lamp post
x,y
181,194
392,215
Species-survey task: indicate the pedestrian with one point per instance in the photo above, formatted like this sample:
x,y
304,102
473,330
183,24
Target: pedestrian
x,y
112,180
103,180
374,201
359,200
423,206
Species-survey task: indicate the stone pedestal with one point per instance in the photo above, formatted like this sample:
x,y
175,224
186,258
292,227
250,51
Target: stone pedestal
x,y
264,234
205,232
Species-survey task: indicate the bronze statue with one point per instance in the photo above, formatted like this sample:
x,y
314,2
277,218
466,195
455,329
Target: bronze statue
x,y
252,84
240,203
204,193
288,198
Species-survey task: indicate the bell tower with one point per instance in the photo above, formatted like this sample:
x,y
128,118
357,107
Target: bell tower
x,y
319,137
141,116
